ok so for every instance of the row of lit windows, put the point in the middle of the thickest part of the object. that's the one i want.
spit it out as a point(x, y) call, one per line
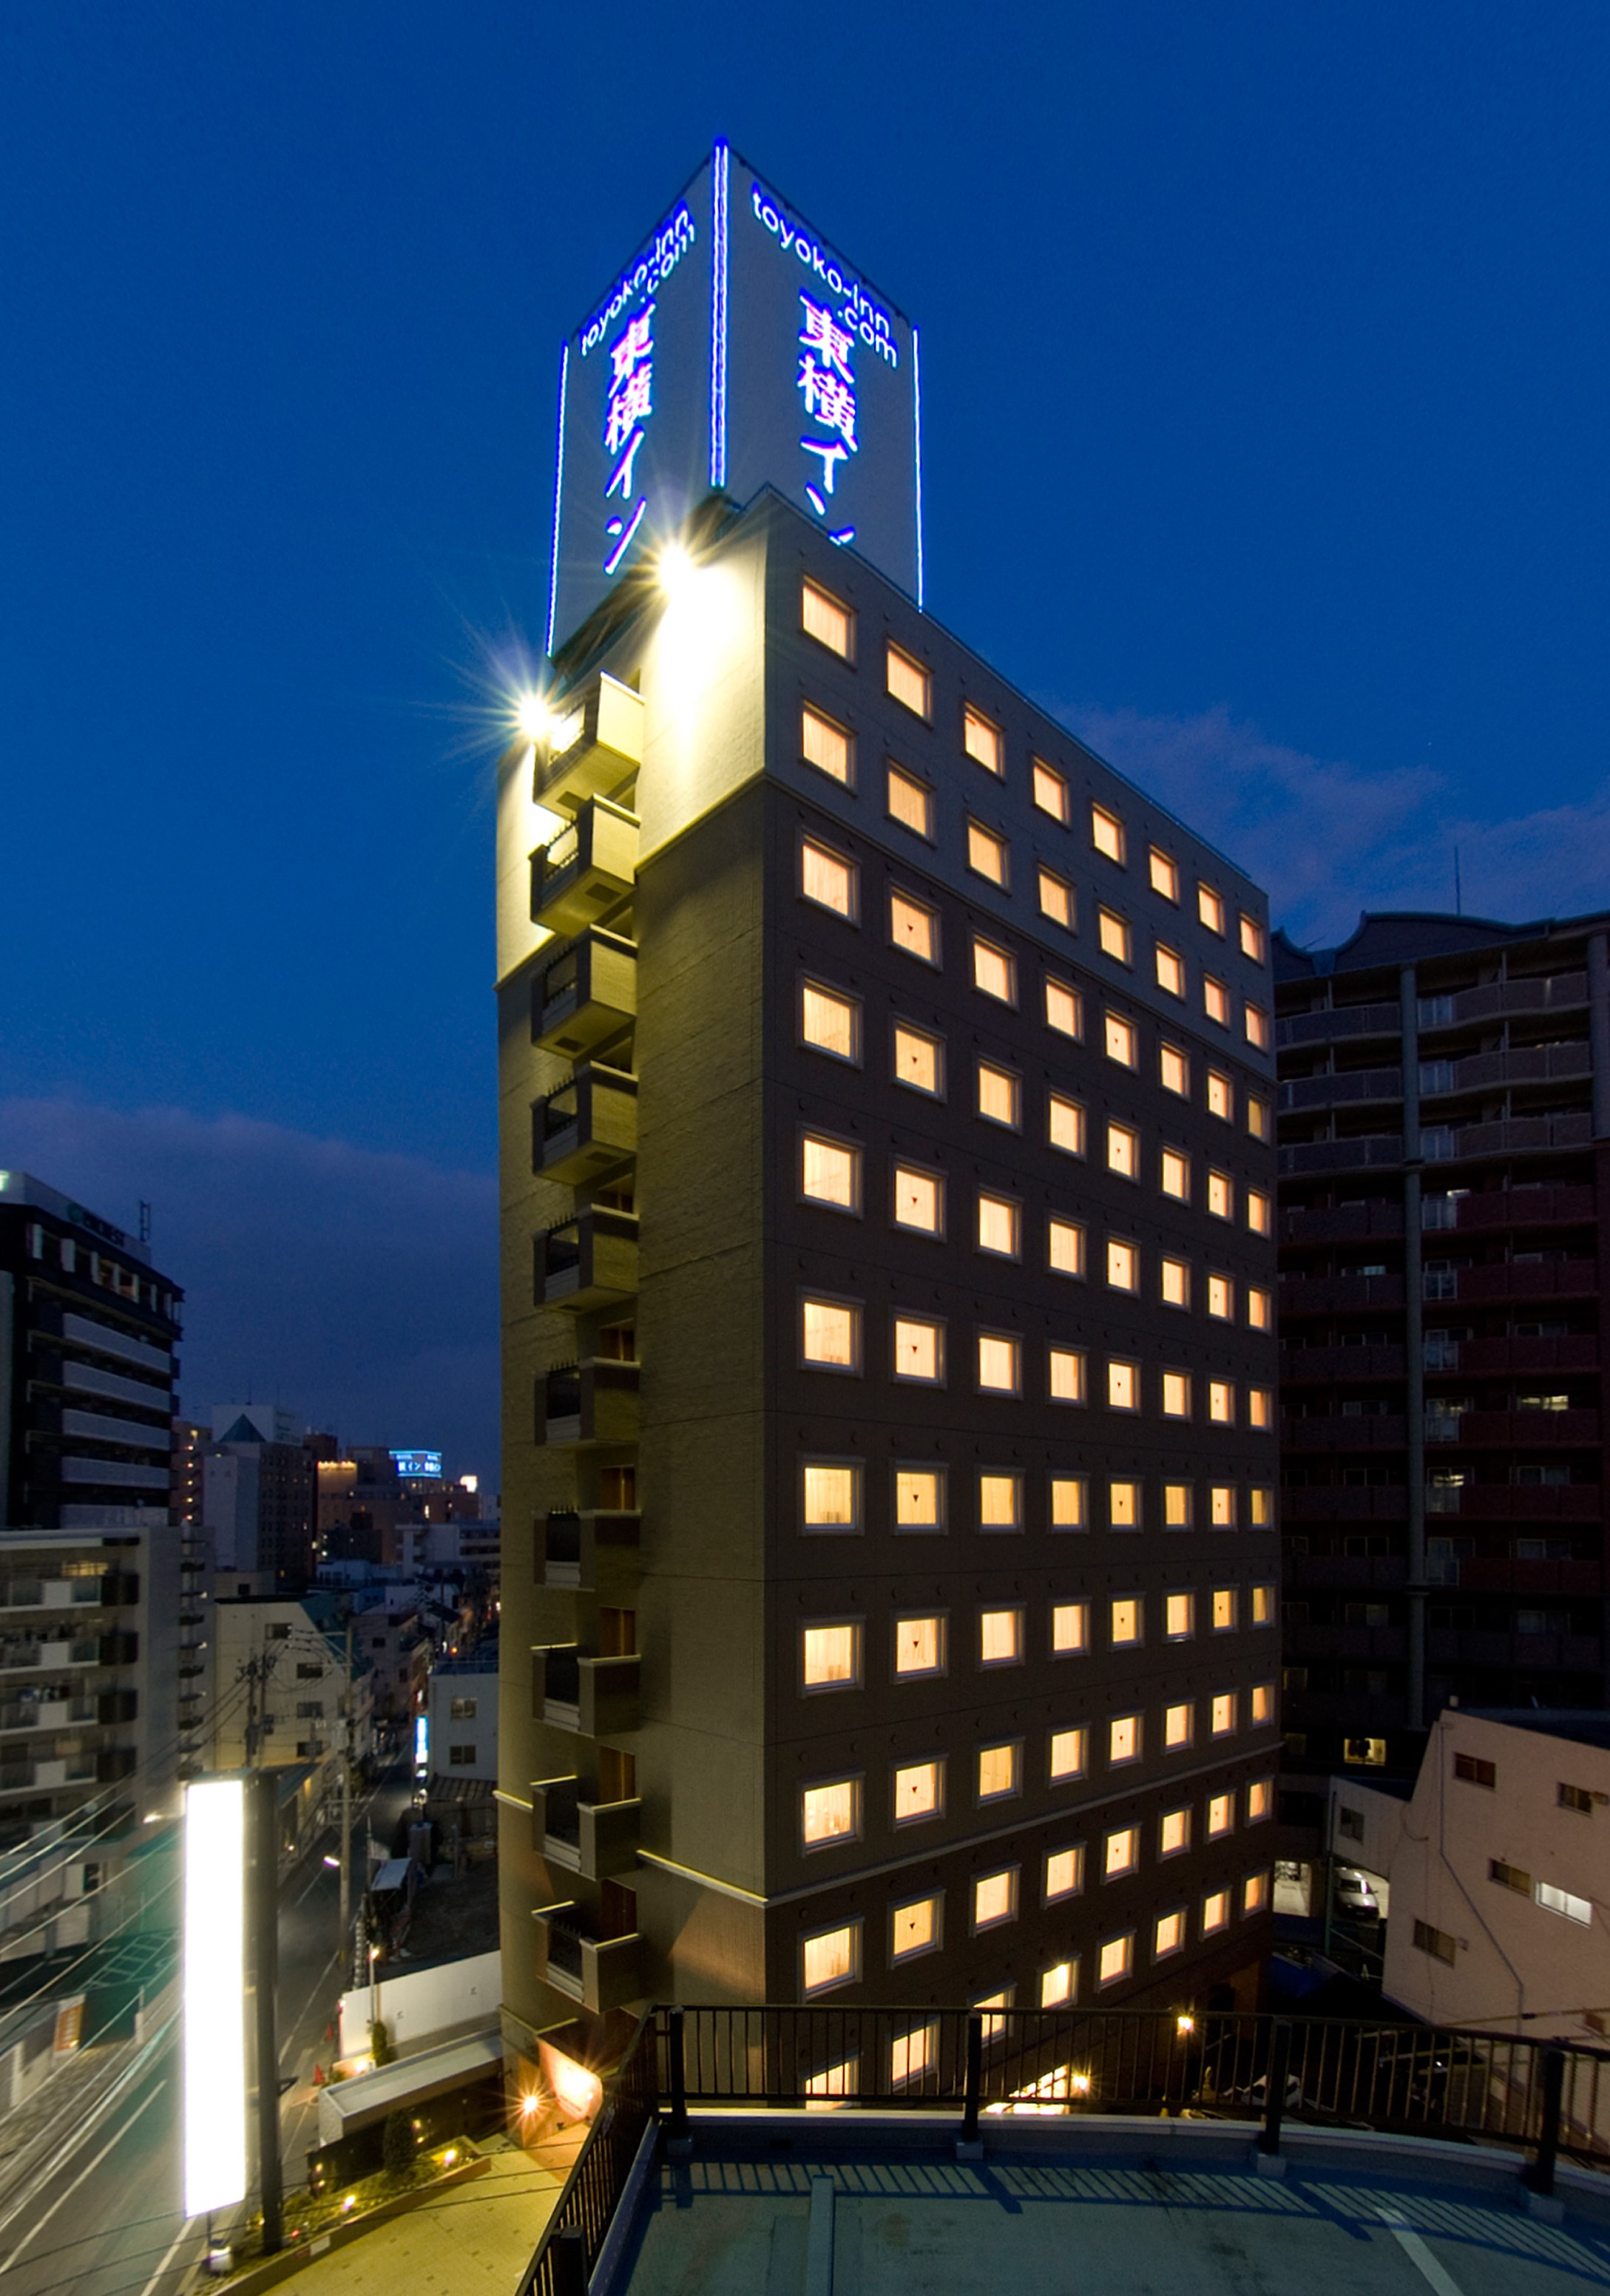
point(832, 1652)
point(831, 1813)
point(829, 747)
point(832, 880)
point(834, 1958)
point(831, 1494)
point(830, 1022)
point(831, 1174)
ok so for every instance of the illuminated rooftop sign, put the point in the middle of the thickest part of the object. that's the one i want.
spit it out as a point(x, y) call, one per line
point(735, 350)
point(417, 1462)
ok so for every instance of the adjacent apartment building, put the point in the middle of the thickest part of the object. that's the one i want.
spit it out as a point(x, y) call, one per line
point(889, 1269)
point(1445, 1153)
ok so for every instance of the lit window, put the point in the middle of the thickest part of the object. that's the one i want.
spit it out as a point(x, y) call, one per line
point(1064, 1874)
point(1123, 1265)
point(998, 1225)
point(1175, 1284)
point(1169, 1935)
point(1220, 1815)
point(1123, 1739)
point(1255, 1020)
point(999, 1094)
point(830, 1173)
point(822, 618)
point(908, 681)
point(1221, 1097)
point(1058, 1985)
point(1221, 1506)
point(919, 1791)
point(1070, 1754)
point(999, 1363)
point(1263, 1604)
point(913, 1928)
point(1070, 1629)
point(830, 1813)
point(1174, 1071)
point(1113, 931)
point(831, 1495)
point(1171, 971)
point(913, 928)
point(1176, 1507)
point(1124, 1505)
point(1176, 1394)
point(1215, 1912)
point(1066, 1252)
point(910, 802)
point(1257, 1211)
point(1000, 1771)
point(829, 1022)
point(1216, 1000)
point(1000, 1501)
point(995, 1898)
point(1124, 1151)
point(1177, 1175)
point(1552, 1900)
point(1254, 1893)
point(831, 1957)
point(1257, 1116)
point(831, 1334)
point(1064, 1012)
point(1179, 1724)
point(919, 1349)
point(994, 971)
point(1120, 1853)
point(919, 1646)
point(911, 2054)
point(1050, 792)
point(1260, 1506)
point(919, 1199)
point(994, 2026)
point(1224, 1714)
point(1173, 1833)
point(1069, 1502)
point(1260, 1703)
point(825, 746)
point(1251, 937)
point(830, 1657)
point(1125, 1621)
point(1115, 1959)
point(1121, 1041)
point(1123, 1386)
point(1221, 1296)
point(1221, 1402)
point(1180, 1617)
point(1220, 1196)
point(1210, 908)
point(1260, 1309)
point(918, 1058)
point(826, 878)
point(982, 741)
point(1065, 1125)
point(1106, 832)
point(919, 1498)
point(986, 853)
point(1067, 1374)
point(1056, 898)
point(1260, 1800)
point(1164, 874)
point(1260, 1406)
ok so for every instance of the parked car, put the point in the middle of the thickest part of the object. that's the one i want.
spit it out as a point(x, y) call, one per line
point(1355, 1894)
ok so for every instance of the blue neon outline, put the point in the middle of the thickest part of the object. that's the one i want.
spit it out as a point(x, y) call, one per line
point(718, 320)
point(564, 373)
point(625, 543)
point(916, 424)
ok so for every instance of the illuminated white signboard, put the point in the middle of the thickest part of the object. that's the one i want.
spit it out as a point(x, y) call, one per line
point(417, 1462)
point(215, 1994)
point(736, 350)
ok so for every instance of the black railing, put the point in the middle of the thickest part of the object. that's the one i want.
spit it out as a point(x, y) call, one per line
point(592, 2192)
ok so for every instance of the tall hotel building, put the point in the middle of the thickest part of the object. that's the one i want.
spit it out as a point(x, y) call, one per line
point(887, 1171)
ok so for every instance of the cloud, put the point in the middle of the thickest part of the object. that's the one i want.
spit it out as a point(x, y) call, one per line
point(1326, 838)
point(359, 1289)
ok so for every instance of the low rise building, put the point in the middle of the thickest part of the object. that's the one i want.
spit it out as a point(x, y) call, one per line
point(463, 1697)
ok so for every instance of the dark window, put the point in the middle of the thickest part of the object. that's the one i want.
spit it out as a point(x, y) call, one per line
point(1510, 1877)
point(1437, 1942)
point(1576, 1797)
point(1474, 1771)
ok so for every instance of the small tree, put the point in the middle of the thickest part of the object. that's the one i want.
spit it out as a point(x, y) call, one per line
point(399, 2146)
point(379, 2043)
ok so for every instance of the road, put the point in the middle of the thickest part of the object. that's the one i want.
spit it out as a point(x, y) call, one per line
point(101, 2217)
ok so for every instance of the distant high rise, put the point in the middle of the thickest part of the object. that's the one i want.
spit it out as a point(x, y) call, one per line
point(258, 1493)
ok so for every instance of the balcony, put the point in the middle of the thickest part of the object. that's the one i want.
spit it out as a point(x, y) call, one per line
point(1340, 1223)
point(596, 1696)
point(1333, 1295)
point(53, 1593)
point(1511, 1136)
point(590, 1261)
point(1517, 1430)
point(1346, 1020)
point(1345, 1502)
point(1383, 1150)
point(585, 995)
point(1343, 1086)
point(1490, 1208)
point(1518, 1279)
point(1304, 1366)
point(1573, 1352)
point(590, 1402)
point(596, 1840)
point(27, 1653)
point(587, 1128)
point(593, 1547)
point(590, 867)
point(1522, 1064)
point(1557, 992)
point(1476, 1646)
point(602, 1973)
point(1378, 1431)
point(54, 1710)
point(597, 745)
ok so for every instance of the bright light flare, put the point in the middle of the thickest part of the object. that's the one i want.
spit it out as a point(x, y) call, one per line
point(674, 569)
point(215, 1994)
point(533, 717)
point(1184, 2023)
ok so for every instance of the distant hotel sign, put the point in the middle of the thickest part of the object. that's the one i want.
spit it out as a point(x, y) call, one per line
point(735, 350)
point(418, 1463)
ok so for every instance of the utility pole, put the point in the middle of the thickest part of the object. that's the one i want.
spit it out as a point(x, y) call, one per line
point(346, 1945)
point(263, 1919)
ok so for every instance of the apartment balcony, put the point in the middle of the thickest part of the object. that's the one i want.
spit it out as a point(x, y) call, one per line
point(602, 1973)
point(592, 1547)
point(1515, 1430)
point(590, 867)
point(46, 1713)
point(1346, 1573)
point(1358, 1713)
point(596, 1696)
point(1345, 1502)
point(1476, 1646)
point(1510, 1135)
point(46, 1776)
point(1510, 1575)
point(587, 1128)
point(23, 1653)
point(1375, 1432)
point(1574, 1351)
point(1503, 1207)
point(586, 994)
point(1302, 1367)
point(596, 1840)
point(1369, 1151)
point(1494, 1000)
point(1347, 1021)
point(1341, 1088)
point(1513, 1279)
point(29, 1593)
point(1522, 1064)
point(1341, 1222)
point(1338, 1295)
point(589, 1403)
point(595, 747)
point(590, 1261)
point(1517, 1502)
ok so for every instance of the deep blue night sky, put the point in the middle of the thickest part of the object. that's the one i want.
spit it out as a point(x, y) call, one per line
point(1264, 362)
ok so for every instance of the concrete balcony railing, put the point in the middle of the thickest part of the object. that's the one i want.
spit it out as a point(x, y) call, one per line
point(602, 1973)
point(51, 1594)
point(1300, 1366)
point(596, 1696)
point(1508, 1135)
point(1558, 992)
point(586, 994)
point(1379, 1431)
point(588, 868)
point(588, 1128)
point(595, 747)
point(1341, 1089)
point(1371, 1151)
point(596, 1840)
point(587, 1403)
point(25, 1654)
point(589, 1261)
point(1347, 1021)
point(1340, 1223)
point(1490, 1208)
point(1525, 1064)
point(1333, 1295)
point(592, 1547)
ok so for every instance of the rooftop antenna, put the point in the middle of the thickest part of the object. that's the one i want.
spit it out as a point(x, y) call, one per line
point(1459, 892)
point(144, 1221)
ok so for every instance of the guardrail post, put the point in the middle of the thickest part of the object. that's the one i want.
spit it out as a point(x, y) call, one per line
point(1275, 2079)
point(969, 2144)
point(568, 2252)
point(676, 2053)
point(1540, 2177)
